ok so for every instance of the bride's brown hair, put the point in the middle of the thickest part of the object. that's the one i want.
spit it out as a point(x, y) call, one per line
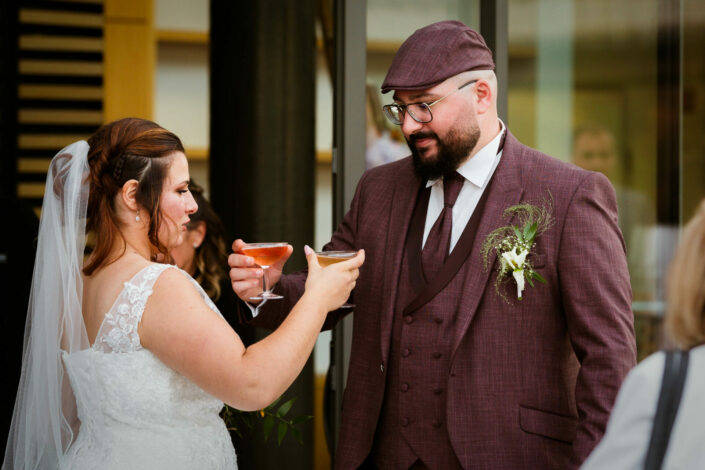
point(120, 151)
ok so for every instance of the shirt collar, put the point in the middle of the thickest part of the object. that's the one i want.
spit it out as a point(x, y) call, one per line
point(477, 169)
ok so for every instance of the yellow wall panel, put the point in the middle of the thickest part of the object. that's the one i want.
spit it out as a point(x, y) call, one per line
point(128, 9)
point(129, 59)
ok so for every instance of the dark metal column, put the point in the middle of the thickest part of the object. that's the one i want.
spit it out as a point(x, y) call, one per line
point(493, 27)
point(669, 112)
point(348, 157)
point(262, 157)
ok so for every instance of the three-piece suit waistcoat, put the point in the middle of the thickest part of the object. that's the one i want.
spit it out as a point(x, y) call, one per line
point(412, 424)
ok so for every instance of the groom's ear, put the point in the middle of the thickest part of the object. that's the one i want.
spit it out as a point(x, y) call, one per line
point(128, 195)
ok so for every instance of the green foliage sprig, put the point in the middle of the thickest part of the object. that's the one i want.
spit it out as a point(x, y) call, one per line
point(513, 243)
point(274, 414)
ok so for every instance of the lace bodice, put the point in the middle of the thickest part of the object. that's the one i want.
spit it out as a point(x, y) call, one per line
point(136, 412)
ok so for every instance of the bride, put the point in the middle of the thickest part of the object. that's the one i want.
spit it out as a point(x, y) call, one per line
point(127, 362)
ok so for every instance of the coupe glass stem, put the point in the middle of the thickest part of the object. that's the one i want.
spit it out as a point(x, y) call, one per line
point(264, 280)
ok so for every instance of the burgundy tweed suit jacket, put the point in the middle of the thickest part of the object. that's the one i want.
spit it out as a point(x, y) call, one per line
point(531, 383)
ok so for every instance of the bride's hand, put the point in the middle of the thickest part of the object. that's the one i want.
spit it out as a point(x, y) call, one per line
point(331, 286)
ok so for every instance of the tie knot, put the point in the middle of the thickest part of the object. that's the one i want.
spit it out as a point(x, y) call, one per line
point(452, 184)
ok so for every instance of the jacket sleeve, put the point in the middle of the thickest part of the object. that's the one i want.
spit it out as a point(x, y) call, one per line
point(596, 294)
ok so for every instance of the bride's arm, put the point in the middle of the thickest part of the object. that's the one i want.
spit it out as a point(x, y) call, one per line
point(180, 329)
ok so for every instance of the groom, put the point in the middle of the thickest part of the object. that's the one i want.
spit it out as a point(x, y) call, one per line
point(448, 371)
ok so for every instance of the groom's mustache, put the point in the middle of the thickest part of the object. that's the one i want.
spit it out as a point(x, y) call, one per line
point(421, 135)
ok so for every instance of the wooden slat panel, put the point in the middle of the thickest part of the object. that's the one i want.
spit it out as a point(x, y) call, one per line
point(38, 42)
point(324, 156)
point(30, 189)
point(182, 37)
point(197, 153)
point(60, 92)
point(383, 47)
point(96, 2)
point(47, 141)
point(61, 18)
point(33, 165)
point(61, 67)
point(61, 116)
point(121, 10)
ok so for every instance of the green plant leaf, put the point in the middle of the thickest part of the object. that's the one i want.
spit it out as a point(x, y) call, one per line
point(530, 232)
point(284, 409)
point(538, 277)
point(268, 426)
point(273, 405)
point(281, 432)
point(300, 419)
point(297, 435)
point(528, 279)
point(518, 233)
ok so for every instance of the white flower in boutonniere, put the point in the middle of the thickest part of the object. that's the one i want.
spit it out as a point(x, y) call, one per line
point(513, 245)
point(515, 262)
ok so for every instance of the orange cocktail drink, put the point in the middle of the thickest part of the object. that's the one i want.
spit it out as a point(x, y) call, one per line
point(326, 258)
point(265, 255)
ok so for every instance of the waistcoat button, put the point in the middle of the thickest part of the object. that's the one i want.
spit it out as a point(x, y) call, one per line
point(406, 352)
point(404, 422)
point(404, 387)
point(408, 319)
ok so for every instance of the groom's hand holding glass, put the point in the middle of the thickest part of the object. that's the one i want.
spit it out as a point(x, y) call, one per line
point(246, 274)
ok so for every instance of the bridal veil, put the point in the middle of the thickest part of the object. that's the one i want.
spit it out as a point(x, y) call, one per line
point(44, 420)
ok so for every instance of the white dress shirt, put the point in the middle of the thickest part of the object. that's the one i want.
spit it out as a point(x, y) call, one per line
point(477, 172)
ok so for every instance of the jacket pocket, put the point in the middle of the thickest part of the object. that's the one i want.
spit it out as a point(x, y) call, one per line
point(547, 424)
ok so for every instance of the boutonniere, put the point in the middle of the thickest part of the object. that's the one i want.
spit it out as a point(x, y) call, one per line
point(513, 245)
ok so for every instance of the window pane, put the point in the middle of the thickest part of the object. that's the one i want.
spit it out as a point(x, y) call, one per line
point(589, 83)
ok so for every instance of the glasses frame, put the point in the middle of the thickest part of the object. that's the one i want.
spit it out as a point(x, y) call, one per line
point(403, 108)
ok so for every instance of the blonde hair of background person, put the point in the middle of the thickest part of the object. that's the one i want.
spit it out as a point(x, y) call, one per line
point(626, 440)
point(685, 314)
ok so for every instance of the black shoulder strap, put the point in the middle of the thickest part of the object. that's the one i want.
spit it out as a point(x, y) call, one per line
point(674, 373)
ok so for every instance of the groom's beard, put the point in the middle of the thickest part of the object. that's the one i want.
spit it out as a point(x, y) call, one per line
point(450, 152)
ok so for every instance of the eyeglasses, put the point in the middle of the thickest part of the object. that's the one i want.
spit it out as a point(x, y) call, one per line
point(419, 112)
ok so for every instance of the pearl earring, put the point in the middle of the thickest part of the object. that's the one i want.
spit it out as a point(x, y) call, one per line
point(137, 217)
point(195, 246)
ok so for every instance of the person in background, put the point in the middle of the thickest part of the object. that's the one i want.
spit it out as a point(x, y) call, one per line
point(595, 149)
point(202, 254)
point(626, 441)
point(381, 147)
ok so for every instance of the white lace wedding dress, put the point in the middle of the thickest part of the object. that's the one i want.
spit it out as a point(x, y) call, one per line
point(135, 412)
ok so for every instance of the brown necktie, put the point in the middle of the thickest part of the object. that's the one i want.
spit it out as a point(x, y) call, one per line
point(435, 251)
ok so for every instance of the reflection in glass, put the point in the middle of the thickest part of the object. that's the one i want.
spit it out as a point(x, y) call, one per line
point(584, 87)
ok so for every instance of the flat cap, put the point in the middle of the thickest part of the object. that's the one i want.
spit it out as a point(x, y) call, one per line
point(434, 53)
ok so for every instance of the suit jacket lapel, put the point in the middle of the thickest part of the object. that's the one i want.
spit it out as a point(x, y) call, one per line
point(506, 190)
point(403, 200)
